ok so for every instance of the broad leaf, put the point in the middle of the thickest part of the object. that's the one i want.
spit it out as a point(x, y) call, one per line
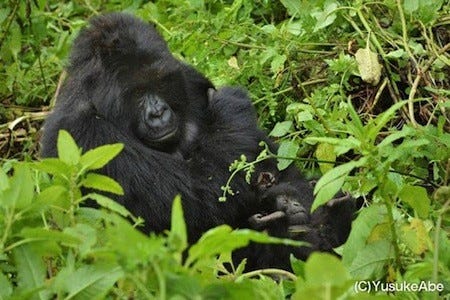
point(102, 183)
point(68, 150)
point(109, 204)
point(287, 149)
point(100, 156)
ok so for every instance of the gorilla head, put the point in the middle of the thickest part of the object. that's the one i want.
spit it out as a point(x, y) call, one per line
point(158, 98)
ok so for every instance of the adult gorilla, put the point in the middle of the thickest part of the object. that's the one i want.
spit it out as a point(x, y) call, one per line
point(180, 135)
point(124, 86)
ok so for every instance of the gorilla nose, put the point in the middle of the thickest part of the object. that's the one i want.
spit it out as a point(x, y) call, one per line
point(155, 108)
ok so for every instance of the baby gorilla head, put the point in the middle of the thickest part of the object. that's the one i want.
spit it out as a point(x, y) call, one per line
point(284, 207)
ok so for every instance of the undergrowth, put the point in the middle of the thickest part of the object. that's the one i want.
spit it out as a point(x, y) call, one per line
point(354, 91)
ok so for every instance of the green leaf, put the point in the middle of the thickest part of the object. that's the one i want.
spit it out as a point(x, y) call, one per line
point(178, 231)
point(417, 198)
point(381, 120)
point(43, 234)
point(281, 129)
point(102, 183)
point(31, 270)
point(325, 269)
point(54, 195)
point(223, 239)
point(326, 17)
point(52, 166)
point(110, 204)
point(362, 228)
point(277, 63)
point(6, 288)
point(100, 156)
point(92, 281)
point(287, 149)
point(293, 6)
point(325, 278)
point(21, 190)
point(370, 260)
point(68, 151)
point(415, 236)
point(330, 183)
point(410, 6)
point(325, 152)
point(4, 181)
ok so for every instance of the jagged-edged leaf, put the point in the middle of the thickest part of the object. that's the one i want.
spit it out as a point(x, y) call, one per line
point(417, 198)
point(31, 270)
point(330, 183)
point(102, 183)
point(370, 260)
point(92, 281)
point(110, 204)
point(100, 156)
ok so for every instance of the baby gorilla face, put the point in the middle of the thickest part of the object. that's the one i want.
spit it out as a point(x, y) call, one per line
point(296, 213)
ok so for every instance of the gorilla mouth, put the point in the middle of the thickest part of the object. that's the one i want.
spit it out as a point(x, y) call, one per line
point(165, 136)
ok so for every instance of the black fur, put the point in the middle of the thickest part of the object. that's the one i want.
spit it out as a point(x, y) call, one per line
point(118, 61)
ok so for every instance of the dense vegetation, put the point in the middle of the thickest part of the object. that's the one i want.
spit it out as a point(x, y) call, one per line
point(356, 91)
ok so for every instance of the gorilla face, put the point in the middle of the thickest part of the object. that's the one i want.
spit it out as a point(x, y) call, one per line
point(295, 211)
point(135, 83)
point(159, 124)
point(160, 118)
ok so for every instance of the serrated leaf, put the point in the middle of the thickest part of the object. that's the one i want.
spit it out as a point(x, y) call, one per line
point(381, 120)
point(287, 149)
point(281, 129)
point(362, 228)
point(223, 239)
point(368, 65)
point(410, 6)
point(330, 183)
point(31, 271)
point(325, 269)
point(417, 198)
point(6, 288)
point(100, 156)
point(415, 236)
point(68, 150)
point(49, 235)
point(326, 17)
point(370, 260)
point(110, 204)
point(52, 166)
point(102, 183)
point(53, 195)
point(92, 281)
point(277, 63)
point(293, 6)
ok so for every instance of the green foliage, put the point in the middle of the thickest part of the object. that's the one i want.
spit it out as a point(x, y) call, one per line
point(355, 91)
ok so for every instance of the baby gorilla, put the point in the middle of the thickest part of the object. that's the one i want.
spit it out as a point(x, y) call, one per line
point(285, 209)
